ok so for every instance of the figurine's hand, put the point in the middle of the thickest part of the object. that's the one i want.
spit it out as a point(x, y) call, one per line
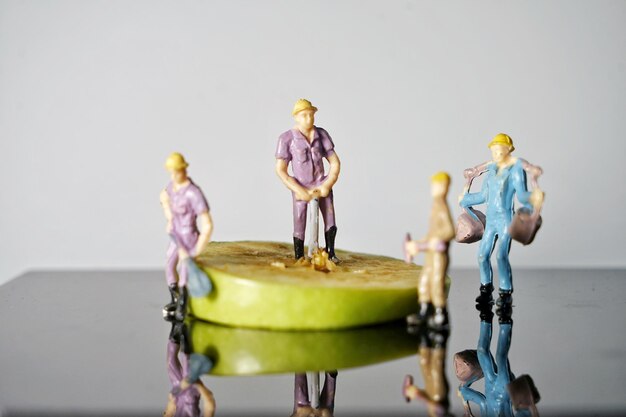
point(324, 191)
point(470, 173)
point(315, 193)
point(411, 247)
point(303, 195)
point(169, 227)
point(536, 198)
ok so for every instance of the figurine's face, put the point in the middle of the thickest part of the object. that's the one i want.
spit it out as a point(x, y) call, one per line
point(439, 189)
point(305, 119)
point(178, 175)
point(500, 152)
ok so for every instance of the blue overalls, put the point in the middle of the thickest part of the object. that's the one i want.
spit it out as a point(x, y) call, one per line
point(498, 190)
point(495, 402)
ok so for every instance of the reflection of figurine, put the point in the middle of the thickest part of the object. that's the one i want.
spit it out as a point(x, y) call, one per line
point(305, 146)
point(431, 289)
point(432, 354)
point(302, 406)
point(184, 373)
point(184, 205)
point(506, 178)
point(500, 383)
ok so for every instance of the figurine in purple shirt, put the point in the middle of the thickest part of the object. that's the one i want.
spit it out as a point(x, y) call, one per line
point(189, 221)
point(184, 374)
point(305, 147)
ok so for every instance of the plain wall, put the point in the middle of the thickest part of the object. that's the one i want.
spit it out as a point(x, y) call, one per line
point(95, 95)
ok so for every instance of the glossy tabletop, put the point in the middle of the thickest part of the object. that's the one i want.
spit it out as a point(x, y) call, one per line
point(93, 343)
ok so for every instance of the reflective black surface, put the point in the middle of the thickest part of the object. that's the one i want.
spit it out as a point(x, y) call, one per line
point(94, 343)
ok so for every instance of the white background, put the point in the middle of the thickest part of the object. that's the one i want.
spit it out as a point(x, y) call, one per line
point(95, 95)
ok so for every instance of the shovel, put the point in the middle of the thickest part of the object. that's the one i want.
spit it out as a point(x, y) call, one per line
point(314, 225)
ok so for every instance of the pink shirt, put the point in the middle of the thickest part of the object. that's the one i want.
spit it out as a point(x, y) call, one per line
point(307, 160)
point(186, 204)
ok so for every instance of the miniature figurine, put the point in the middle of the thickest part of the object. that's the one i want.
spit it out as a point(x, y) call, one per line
point(184, 374)
point(503, 392)
point(431, 287)
point(432, 356)
point(323, 406)
point(184, 206)
point(305, 146)
point(506, 178)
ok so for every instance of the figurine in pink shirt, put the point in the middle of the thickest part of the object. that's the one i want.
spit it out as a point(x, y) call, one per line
point(189, 222)
point(305, 146)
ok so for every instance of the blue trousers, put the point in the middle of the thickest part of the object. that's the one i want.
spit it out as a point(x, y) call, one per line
point(496, 237)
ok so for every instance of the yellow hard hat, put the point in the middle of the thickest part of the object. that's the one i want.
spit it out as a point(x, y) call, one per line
point(440, 177)
point(302, 104)
point(502, 139)
point(176, 161)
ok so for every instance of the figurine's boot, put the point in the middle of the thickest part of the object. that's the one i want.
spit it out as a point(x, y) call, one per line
point(439, 320)
point(505, 298)
point(298, 248)
point(176, 332)
point(181, 306)
point(330, 235)
point(170, 307)
point(419, 319)
point(486, 312)
point(485, 294)
point(504, 307)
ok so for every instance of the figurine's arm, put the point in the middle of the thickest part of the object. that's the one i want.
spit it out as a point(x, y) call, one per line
point(290, 182)
point(413, 247)
point(519, 183)
point(472, 395)
point(443, 227)
point(473, 199)
point(165, 203)
point(333, 174)
point(207, 398)
point(206, 228)
point(534, 198)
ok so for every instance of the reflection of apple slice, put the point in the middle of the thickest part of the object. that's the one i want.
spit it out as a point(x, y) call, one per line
point(237, 351)
point(258, 284)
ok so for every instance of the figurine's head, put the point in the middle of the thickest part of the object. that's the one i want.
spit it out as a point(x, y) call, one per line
point(304, 114)
point(501, 147)
point(439, 184)
point(177, 167)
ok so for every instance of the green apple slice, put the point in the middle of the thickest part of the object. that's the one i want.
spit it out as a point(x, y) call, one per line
point(238, 351)
point(258, 284)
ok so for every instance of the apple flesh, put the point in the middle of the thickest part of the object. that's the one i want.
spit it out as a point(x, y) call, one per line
point(238, 351)
point(259, 285)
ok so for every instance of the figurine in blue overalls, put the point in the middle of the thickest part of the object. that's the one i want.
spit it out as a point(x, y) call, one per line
point(504, 395)
point(506, 178)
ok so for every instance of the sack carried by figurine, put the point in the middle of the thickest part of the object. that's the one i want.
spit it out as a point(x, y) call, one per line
point(471, 223)
point(525, 225)
point(466, 366)
point(524, 394)
point(198, 283)
point(470, 226)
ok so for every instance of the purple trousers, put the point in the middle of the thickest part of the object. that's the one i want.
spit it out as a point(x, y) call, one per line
point(327, 396)
point(188, 400)
point(299, 214)
point(174, 277)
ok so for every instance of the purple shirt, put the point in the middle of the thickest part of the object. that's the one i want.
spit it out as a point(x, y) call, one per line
point(186, 204)
point(307, 160)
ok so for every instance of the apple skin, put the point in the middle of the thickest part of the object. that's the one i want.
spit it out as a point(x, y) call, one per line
point(249, 292)
point(238, 351)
